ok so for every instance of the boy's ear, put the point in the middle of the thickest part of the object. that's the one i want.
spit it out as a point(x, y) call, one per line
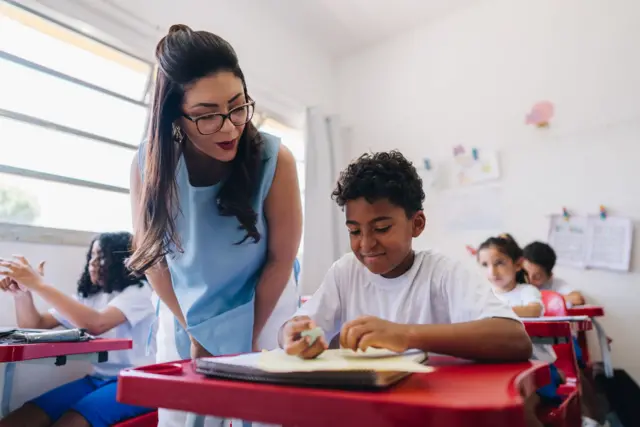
point(419, 221)
point(519, 263)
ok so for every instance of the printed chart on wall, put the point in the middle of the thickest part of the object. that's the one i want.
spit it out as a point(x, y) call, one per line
point(588, 241)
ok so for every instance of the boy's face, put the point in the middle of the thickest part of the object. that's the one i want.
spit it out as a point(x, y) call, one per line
point(536, 274)
point(381, 235)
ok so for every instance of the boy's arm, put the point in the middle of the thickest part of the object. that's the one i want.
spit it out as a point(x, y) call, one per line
point(485, 339)
point(323, 308)
point(574, 298)
point(481, 326)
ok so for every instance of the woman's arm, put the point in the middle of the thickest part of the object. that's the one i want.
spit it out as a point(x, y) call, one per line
point(158, 276)
point(283, 211)
point(29, 317)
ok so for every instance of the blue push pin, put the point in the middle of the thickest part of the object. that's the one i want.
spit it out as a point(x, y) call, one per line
point(474, 153)
point(427, 164)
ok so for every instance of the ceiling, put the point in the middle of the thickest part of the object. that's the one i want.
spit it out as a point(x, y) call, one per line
point(340, 27)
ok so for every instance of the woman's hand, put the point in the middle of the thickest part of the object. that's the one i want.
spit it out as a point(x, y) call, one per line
point(197, 350)
point(20, 276)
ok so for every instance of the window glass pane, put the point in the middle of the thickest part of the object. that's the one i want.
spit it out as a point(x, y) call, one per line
point(301, 176)
point(51, 204)
point(292, 138)
point(50, 98)
point(37, 40)
point(36, 148)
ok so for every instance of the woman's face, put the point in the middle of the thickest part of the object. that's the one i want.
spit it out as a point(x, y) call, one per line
point(221, 92)
point(97, 265)
point(499, 268)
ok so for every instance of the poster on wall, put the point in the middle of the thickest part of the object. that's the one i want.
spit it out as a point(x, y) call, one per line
point(589, 241)
point(474, 167)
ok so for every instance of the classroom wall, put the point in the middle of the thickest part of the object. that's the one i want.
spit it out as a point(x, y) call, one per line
point(471, 78)
point(284, 74)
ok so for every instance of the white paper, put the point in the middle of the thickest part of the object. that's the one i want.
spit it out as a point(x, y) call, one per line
point(474, 208)
point(592, 242)
point(610, 242)
point(555, 319)
point(569, 239)
point(469, 171)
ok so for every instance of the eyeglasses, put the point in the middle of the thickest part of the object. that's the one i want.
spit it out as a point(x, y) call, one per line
point(211, 123)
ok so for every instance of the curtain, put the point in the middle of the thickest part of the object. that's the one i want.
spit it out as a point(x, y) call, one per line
point(325, 236)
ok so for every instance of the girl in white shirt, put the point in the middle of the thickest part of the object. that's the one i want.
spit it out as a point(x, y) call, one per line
point(110, 303)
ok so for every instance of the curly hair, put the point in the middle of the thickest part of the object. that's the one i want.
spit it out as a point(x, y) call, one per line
point(542, 254)
point(183, 57)
point(116, 248)
point(382, 175)
point(506, 245)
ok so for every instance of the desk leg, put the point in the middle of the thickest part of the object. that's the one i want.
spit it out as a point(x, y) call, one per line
point(7, 388)
point(194, 420)
point(604, 349)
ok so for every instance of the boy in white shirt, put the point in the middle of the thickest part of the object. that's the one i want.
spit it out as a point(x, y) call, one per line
point(385, 295)
point(539, 260)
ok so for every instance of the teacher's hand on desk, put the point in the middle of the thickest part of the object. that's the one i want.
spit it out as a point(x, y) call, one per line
point(197, 350)
point(295, 343)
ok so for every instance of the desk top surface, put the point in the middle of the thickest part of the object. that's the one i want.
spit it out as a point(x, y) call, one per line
point(456, 393)
point(22, 352)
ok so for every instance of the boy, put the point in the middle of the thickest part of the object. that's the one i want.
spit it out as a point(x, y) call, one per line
point(539, 260)
point(385, 295)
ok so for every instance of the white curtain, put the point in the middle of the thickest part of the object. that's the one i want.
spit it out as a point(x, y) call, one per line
point(325, 236)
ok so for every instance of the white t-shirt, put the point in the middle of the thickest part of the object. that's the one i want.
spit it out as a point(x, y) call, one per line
point(523, 295)
point(135, 303)
point(435, 290)
point(557, 285)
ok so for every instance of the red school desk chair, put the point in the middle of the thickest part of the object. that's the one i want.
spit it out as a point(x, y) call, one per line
point(147, 420)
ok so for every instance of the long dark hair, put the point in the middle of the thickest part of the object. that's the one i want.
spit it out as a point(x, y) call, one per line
point(507, 245)
point(183, 57)
point(116, 248)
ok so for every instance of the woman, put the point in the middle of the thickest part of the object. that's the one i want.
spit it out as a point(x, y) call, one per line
point(216, 206)
point(111, 304)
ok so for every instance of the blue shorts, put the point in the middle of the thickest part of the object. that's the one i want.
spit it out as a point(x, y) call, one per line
point(549, 393)
point(92, 397)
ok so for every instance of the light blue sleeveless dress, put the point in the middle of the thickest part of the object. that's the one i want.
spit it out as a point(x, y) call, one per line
point(214, 279)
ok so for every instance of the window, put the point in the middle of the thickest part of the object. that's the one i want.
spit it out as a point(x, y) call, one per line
point(294, 140)
point(72, 113)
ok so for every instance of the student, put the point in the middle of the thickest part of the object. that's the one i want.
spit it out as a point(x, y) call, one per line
point(539, 260)
point(110, 303)
point(216, 208)
point(501, 259)
point(385, 294)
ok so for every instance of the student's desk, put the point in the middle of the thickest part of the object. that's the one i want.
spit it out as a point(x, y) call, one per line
point(548, 332)
point(56, 354)
point(456, 393)
point(594, 311)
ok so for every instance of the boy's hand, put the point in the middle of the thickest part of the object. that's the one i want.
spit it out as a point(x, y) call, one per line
point(369, 331)
point(296, 345)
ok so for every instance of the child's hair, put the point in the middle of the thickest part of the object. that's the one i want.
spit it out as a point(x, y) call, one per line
point(542, 254)
point(382, 175)
point(507, 245)
point(116, 248)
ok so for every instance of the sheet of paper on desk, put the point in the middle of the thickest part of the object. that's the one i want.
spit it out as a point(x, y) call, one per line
point(335, 360)
point(331, 360)
point(555, 319)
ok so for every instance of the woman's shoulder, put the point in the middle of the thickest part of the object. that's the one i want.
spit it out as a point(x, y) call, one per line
point(270, 146)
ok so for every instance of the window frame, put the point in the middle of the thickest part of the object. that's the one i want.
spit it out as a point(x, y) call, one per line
point(46, 235)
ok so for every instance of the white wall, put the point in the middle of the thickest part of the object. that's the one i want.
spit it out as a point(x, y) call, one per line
point(470, 79)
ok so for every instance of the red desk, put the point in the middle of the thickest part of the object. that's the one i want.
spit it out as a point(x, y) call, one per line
point(594, 311)
point(457, 393)
point(95, 350)
point(22, 352)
